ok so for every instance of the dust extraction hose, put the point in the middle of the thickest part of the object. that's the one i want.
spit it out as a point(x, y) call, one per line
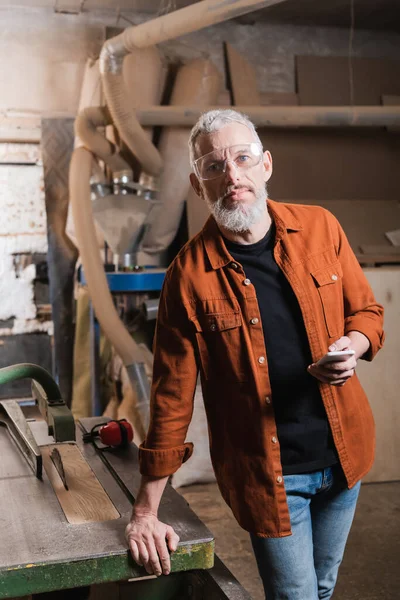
point(86, 128)
point(114, 329)
point(31, 371)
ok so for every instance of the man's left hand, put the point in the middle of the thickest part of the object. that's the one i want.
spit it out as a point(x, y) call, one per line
point(336, 373)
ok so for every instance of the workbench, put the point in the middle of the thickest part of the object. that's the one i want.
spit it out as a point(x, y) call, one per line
point(41, 551)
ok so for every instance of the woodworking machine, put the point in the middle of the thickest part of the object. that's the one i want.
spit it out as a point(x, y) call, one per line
point(64, 506)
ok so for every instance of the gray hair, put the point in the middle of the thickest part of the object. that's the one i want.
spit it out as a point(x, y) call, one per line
point(214, 120)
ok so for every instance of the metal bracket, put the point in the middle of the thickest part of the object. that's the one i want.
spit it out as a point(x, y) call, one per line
point(14, 420)
point(60, 421)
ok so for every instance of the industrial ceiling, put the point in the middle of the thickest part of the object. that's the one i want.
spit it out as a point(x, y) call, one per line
point(369, 14)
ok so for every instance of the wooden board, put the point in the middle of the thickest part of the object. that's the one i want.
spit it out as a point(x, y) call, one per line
point(379, 378)
point(243, 79)
point(266, 99)
point(364, 222)
point(57, 145)
point(382, 249)
point(85, 501)
point(324, 80)
point(333, 164)
point(19, 127)
point(196, 211)
point(25, 154)
point(279, 99)
point(391, 101)
point(393, 237)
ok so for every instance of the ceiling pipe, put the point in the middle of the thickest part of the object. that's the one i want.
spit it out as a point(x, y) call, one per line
point(180, 22)
point(279, 116)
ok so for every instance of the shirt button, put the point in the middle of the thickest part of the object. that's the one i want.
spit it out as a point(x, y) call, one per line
point(247, 282)
point(213, 327)
point(234, 265)
point(261, 359)
point(267, 399)
point(254, 321)
point(273, 439)
point(279, 479)
point(334, 277)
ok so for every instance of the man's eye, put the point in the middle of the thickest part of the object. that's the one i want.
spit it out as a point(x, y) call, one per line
point(242, 158)
point(212, 167)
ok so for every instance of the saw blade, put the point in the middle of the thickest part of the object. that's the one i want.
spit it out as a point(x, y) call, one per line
point(57, 461)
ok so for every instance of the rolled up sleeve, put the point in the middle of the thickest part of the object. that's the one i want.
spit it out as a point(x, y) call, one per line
point(160, 463)
point(173, 386)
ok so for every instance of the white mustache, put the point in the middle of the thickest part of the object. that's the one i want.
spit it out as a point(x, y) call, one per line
point(236, 187)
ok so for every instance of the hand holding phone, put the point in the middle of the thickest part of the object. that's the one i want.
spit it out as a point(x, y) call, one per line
point(336, 356)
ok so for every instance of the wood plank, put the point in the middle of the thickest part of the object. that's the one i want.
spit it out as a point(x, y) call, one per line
point(243, 78)
point(19, 127)
point(379, 378)
point(388, 100)
point(363, 221)
point(57, 146)
point(85, 501)
point(279, 99)
point(197, 212)
point(381, 249)
point(393, 237)
point(332, 164)
point(266, 99)
point(26, 154)
point(373, 260)
point(324, 80)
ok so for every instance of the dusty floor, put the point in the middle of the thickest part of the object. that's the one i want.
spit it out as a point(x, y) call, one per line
point(371, 565)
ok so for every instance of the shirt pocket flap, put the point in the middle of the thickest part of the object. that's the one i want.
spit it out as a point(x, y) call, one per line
point(329, 274)
point(217, 321)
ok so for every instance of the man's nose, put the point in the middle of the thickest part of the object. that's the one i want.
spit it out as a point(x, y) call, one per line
point(231, 171)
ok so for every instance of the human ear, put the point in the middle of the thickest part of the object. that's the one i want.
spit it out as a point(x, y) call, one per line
point(195, 184)
point(267, 162)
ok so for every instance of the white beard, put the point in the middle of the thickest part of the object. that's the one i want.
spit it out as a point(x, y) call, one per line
point(239, 217)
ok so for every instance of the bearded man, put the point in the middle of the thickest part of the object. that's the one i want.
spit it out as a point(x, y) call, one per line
point(253, 302)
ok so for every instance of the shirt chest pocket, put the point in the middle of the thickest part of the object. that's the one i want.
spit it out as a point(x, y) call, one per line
point(221, 345)
point(328, 281)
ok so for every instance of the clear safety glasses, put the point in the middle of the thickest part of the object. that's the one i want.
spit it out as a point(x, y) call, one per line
point(213, 164)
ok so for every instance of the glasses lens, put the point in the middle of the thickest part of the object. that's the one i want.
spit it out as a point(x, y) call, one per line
point(213, 164)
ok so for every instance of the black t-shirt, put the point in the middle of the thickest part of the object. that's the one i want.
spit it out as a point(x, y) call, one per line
point(303, 430)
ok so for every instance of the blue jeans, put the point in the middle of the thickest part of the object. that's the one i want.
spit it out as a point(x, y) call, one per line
point(304, 566)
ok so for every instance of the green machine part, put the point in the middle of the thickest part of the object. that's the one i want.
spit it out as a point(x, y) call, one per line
point(59, 418)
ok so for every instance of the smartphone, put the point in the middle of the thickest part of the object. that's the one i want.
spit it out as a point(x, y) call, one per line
point(336, 356)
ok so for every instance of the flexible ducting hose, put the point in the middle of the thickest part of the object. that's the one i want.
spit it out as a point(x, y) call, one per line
point(112, 326)
point(180, 22)
point(30, 371)
point(127, 124)
point(197, 82)
point(86, 128)
point(79, 187)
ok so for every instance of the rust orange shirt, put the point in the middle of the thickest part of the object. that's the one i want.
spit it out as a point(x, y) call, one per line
point(209, 322)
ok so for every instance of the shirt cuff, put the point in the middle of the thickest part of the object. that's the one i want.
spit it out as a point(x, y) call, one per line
point(376, 337)
point(164, 462)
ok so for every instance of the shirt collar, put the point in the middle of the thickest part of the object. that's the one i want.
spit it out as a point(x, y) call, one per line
point(214, 244)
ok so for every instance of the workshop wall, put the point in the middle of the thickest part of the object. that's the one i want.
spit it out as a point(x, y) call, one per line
point(46, 52)
point(43, 58)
